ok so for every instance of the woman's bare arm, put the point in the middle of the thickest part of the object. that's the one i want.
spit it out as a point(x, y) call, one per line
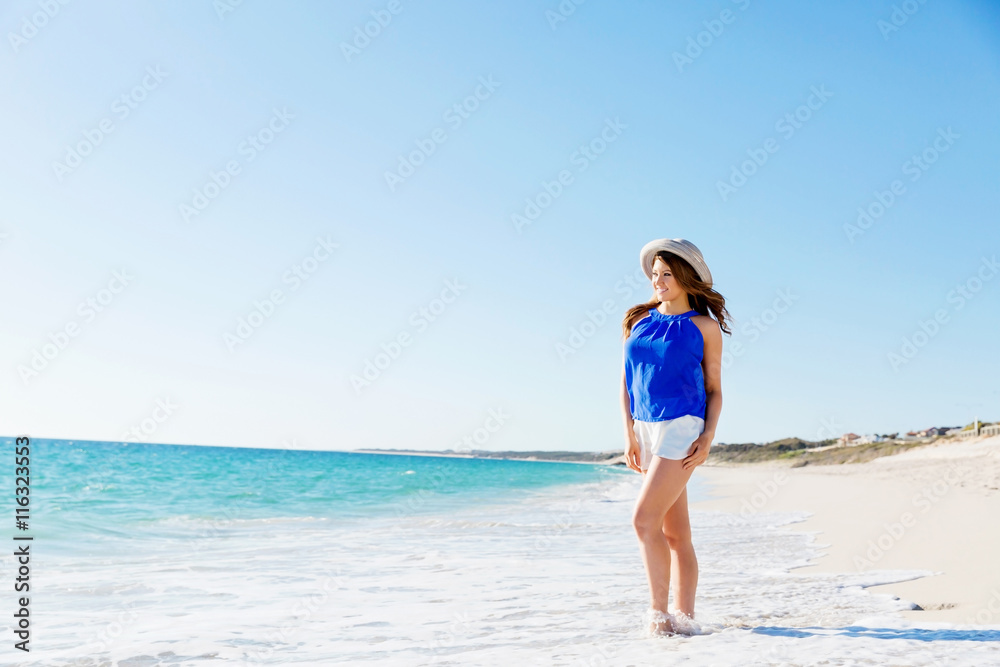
point(711, 366)
point(633, 454)
point(626, 402)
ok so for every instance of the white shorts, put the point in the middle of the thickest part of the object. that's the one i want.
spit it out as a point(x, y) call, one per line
point(670, 439)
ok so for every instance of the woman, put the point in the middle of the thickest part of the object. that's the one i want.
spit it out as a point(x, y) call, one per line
point(671, 399)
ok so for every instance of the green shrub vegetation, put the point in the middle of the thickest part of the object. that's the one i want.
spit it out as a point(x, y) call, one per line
point(804, 452)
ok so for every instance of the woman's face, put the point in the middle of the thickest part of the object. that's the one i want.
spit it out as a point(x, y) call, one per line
point(664, 283)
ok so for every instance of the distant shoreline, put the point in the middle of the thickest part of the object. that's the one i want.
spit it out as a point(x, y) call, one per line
point(598, 458)
point(793, 452)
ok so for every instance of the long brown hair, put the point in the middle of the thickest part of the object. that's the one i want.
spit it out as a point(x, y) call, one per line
point(701, 297)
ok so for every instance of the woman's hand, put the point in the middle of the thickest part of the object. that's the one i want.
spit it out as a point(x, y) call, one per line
point(699, 454)
point(633, 453)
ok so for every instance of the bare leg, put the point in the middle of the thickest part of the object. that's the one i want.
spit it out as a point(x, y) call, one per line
point(663, 484)
point(683, 562)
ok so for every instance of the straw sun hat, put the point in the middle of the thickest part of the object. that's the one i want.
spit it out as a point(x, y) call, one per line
point(679, 247)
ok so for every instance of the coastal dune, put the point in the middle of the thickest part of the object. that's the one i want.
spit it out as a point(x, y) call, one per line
point(930, 513)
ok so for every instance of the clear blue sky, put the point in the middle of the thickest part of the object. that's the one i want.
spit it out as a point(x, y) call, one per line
point(329, 123)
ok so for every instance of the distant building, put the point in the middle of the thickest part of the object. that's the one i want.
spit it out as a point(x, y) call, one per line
point(937, 430)
point(847, 439)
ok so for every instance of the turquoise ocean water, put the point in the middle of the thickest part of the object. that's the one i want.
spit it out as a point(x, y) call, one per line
point(93, 491)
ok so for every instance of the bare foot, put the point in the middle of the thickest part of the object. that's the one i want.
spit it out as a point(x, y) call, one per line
point(684, 624)
point(660, 622)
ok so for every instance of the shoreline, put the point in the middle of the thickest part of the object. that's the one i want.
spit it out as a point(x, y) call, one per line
point(928, 509)
point(496, 457)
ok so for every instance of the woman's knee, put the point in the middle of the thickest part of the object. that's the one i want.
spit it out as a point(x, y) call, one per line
point(645, 523)
point(677, 541)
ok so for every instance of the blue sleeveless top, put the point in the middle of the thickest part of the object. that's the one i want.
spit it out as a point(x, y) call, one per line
point(663, 367)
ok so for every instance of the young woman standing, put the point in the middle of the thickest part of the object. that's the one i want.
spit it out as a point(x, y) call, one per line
point(671, 399)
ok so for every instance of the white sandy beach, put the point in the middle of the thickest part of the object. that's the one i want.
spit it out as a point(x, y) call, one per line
point(934, 508)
